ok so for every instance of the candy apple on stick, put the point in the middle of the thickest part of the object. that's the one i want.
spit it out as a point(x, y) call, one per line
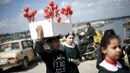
point(29, 15)
point(52, 11)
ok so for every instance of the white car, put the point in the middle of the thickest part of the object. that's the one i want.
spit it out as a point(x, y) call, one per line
point(15, 53)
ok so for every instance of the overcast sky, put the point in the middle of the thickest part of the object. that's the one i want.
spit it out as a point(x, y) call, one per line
point(12, 20)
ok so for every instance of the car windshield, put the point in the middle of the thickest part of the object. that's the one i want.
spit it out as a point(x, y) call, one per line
point(9, 47)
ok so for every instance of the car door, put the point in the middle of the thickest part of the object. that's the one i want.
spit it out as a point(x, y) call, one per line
point(26, 50)
point(31, 50)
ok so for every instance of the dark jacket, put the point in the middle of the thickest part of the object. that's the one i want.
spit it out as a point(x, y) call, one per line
point(56, 61)
point(72, 53)
point(90, 33)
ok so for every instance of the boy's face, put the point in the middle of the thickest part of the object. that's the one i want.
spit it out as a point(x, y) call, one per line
point(55, 44)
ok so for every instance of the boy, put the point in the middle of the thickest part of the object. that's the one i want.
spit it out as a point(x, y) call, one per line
point(55, 60)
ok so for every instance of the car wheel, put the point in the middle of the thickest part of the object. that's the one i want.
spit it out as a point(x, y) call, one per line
point(24, 63)
point(91, 56)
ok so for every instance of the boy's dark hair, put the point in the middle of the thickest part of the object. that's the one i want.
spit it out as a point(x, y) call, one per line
point(50, 39)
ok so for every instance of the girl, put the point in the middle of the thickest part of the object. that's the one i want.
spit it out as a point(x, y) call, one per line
point(111, 55)
point(72, 53)
point(99, 57)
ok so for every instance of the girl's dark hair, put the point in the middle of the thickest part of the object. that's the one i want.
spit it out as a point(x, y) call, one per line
point(109, 32)
point(106, 40)
point(108, 35)
point(88, 24)
point(70, 34)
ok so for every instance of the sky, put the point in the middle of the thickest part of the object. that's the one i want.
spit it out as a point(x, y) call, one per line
point(12, 20)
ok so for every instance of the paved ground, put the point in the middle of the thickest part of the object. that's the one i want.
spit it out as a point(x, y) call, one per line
point(88, 67)
point(84, 67)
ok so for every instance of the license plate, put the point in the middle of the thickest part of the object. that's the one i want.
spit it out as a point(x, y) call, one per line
point(3, 61)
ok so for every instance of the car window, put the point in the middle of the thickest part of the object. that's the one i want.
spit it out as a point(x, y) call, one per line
point(25, 44)
point(9, 47)
point(15, 45)
point(30, 43)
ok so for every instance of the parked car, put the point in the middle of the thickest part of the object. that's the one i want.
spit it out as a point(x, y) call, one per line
point(16, 53)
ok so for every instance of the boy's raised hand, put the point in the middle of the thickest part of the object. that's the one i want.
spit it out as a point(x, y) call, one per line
point(39, 32)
